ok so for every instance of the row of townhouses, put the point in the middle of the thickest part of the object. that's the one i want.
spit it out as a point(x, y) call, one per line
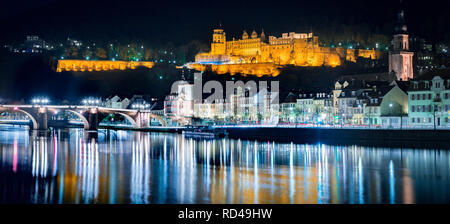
point(422, 102)
point(239, 107)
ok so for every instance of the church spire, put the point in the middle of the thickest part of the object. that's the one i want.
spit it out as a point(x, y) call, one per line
point(400, 58)
point(400, 27)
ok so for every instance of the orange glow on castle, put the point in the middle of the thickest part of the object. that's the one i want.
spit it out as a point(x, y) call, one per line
point(258, 55)
point(86, 65)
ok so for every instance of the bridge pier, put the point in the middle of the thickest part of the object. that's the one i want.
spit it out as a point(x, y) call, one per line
point(92, 118)
point(42, 119)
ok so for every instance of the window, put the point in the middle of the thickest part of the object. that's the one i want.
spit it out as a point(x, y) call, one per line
point(436, 108)
point(429, 96)
point(413, 96)
point(429, 120)
point(413, 108)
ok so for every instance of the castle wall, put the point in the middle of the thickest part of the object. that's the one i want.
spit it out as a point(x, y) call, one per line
point(257, 69)
point(85, 65)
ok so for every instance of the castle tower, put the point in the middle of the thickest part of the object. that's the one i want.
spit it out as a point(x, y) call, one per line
point(254, 35)
point(218, 45)
point(263, 35)
point(400, 58)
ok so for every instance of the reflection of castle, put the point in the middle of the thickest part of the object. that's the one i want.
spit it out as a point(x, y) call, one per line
point(299, 49)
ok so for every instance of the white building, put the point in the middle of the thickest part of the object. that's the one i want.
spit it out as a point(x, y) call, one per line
point(429, 102)
point(185, 101)
point(116, 103)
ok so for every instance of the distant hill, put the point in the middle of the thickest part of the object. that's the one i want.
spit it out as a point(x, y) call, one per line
point(24, 77)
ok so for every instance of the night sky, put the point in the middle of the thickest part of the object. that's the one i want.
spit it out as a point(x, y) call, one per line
point(179, 22)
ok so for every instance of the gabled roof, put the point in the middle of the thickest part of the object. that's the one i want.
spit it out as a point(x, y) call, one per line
point(403, 85)
point(290, 98)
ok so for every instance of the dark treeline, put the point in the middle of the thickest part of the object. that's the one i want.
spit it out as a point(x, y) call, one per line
point(24, 77)
point(163, 24)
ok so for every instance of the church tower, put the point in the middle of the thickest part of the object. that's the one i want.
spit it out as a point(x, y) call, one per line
point(400, 58)
point(218, 45)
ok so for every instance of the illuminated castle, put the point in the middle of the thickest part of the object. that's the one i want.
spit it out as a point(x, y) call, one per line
point(259, 55)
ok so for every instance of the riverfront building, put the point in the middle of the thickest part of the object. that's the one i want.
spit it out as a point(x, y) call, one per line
point(240, 107)
point(429, 101)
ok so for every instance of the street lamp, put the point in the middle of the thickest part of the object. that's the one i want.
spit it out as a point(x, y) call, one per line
point(91, 101)
point(140, 106)
point(360, 111)
point(40, 101)
point(390, 115)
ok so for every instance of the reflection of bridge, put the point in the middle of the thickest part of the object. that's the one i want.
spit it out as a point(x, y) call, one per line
point(91, 116)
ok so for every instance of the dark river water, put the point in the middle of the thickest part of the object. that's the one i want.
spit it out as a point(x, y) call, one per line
point(68, 166)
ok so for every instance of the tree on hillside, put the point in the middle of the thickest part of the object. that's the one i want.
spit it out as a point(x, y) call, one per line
point(100, 53)
point(87, 54)
point(149, 54)
point(71, 52)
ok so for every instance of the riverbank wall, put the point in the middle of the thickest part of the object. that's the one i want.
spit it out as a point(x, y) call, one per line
point(338, 136)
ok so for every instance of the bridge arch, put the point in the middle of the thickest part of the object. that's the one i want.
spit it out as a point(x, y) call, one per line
point(162, 121)
point(33, 119)
point(34, 122)
point(79, 115)
point(128, 117)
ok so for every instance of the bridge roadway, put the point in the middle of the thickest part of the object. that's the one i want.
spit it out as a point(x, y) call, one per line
point(91, 116)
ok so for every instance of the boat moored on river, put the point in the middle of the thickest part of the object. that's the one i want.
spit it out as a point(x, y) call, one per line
point(204, 132)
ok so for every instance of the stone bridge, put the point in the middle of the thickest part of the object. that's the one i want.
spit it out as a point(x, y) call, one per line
point(91, 116)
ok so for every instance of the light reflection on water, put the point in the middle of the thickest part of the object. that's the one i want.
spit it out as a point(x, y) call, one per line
point(138, 167)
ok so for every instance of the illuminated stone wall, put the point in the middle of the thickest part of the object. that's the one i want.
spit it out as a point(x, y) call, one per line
point(258, 69)
point(90, 66)
point(267, 56)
